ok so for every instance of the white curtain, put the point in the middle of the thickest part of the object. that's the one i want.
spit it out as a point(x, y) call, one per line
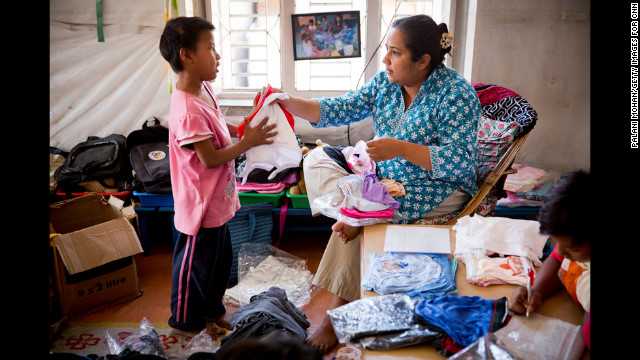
point(101, 88)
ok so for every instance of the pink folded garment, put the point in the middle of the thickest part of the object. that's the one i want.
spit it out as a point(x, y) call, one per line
point(262, 188)
point(357, 214)
point(526, 173)
point(269, 188)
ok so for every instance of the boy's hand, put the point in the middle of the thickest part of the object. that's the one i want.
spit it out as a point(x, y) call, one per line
point(233, 130)
point(518, 303)
point(260, 134)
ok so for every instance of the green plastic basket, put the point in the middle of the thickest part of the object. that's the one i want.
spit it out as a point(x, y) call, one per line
point(298, 201)
point(256, 198)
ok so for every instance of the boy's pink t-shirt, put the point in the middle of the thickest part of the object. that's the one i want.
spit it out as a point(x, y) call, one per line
point(202, 197)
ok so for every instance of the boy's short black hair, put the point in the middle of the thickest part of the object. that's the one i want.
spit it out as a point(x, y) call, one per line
point(566, 209)
point(275, 346)
point(178, 33)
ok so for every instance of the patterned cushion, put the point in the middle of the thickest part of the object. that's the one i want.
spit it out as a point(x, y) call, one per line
point(494, 139)
point(503, 104)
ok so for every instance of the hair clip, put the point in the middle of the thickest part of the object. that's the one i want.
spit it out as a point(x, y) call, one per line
point(447, 40)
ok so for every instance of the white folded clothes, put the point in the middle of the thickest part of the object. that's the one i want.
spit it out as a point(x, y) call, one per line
point(499, 236)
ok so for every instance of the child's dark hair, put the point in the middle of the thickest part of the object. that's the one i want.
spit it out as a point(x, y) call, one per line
point(269, 348)
point(566, 209)
point(422, 36)
point(178, 33)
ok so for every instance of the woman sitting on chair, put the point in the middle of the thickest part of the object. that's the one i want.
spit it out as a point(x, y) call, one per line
point(425, 117)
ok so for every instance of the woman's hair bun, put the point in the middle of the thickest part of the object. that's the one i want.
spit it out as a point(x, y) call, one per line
point(444, 30)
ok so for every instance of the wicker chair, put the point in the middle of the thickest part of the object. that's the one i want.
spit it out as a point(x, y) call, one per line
point(502, 168)
point(502, 105)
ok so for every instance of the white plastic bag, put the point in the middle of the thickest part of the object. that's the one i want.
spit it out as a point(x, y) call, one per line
point(261, 266)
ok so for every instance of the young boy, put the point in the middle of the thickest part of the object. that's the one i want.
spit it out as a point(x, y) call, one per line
point(201, 153)
point(565, 217)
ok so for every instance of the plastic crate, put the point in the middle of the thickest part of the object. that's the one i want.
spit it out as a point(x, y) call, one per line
point(65, 195)
point(256, 198)
point(147, 199)
point(298, 201)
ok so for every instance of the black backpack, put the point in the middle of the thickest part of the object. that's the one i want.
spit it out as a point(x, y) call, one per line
point(95, 159)
point(148, 150)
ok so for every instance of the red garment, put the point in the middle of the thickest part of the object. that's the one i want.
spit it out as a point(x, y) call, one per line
point(447, 346)
point(257, 104)
point(492, 93)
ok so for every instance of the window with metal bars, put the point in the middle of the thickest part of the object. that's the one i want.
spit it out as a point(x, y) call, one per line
point(251, 36)
point(249, 41)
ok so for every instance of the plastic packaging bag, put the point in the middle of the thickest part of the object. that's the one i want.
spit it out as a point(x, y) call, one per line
point(541, 337)
point(200, 343)
point(372, 316)
point(351, 186)
point(416, 334)
point(535, 337)
point(146, 342)
point(261, 266)
point(485, 348)
point(329, 205)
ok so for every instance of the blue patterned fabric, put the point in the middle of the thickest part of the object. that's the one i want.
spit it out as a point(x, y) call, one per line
point(443, 116)
point(415, 275)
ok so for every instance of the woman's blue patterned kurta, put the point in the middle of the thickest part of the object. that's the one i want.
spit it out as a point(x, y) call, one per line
point(443, 116)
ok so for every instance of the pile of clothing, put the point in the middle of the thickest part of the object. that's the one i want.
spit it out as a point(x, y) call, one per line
point(258, 179)
point(365, 196)
point(414, 275)
point(269, 313)
point(527, 187)
point(497, 250)
point(269, 168)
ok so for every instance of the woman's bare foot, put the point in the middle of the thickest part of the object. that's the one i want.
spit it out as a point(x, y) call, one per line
point(346, 232)
point(324, 339)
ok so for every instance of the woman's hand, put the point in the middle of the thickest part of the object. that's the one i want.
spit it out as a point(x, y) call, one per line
point(388, 148)
point(519, 303)
point(308, 109)
point(280, 101)
point(260, 134)
point(384, 148)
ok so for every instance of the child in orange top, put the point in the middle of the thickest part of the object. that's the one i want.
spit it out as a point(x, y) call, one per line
point(565, 217)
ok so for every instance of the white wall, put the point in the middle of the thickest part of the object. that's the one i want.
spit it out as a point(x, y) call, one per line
point(541, 50)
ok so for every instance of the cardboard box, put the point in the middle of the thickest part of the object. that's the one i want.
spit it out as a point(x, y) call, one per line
point(94, 263)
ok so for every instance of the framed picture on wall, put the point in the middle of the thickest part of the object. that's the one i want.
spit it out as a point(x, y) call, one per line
point(327, 35)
